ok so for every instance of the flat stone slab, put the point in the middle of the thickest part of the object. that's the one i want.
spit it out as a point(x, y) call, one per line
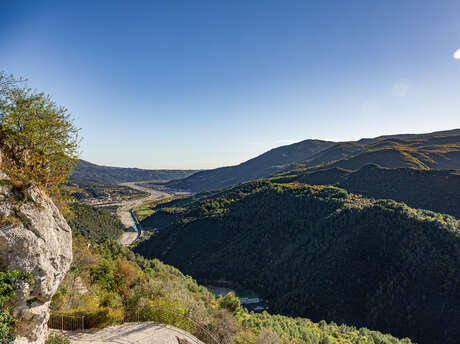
point(129, 333)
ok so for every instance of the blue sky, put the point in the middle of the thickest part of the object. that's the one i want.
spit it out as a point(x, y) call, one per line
point(202, 84)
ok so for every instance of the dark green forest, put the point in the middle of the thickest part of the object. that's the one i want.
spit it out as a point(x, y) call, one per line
point(435, 190)
point(97, 224)
point(325, 253)
point(120, 284)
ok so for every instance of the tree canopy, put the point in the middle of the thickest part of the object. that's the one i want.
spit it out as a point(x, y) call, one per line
point(322, 252)
point(38, 137)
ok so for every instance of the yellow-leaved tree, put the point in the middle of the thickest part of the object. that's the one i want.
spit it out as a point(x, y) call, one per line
point(38, 139)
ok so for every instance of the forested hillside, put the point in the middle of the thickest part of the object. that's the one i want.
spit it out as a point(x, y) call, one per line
point(321, 252)
point(109, 283)
point(436, 190)
point(86, 172)
point(98, 224)
point(263, 165)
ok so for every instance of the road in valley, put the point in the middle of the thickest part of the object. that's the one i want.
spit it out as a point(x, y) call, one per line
point(132, 231)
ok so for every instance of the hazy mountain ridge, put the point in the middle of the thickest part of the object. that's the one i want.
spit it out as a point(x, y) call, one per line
point(437, 150)
point(86, 172)
point(261, 166)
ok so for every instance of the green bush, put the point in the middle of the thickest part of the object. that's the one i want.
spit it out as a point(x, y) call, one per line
point(5, 321)
point(57, 339)
point(98, 318)
point(7, 292)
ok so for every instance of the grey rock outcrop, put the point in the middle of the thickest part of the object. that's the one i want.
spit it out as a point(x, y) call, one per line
point(35, 239)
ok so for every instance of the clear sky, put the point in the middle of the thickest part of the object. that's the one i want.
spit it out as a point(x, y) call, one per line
point(201, 84)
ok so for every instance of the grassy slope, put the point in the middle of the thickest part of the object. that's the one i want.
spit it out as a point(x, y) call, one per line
point(324, 253)
point(424, 152)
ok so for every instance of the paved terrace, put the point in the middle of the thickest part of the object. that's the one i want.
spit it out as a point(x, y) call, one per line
point(130, 333)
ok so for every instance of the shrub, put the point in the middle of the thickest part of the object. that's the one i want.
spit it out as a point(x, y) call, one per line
point(39, 140)
point(267, 336)
point(7, 292)
point(98, 318)
point(57, 339)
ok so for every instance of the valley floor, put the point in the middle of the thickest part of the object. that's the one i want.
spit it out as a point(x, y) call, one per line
point(124, 212)
point(130, 333)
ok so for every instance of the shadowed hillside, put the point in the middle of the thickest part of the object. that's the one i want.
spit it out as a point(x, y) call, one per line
point(323, 252)
point(435, 190)
point(108, 284)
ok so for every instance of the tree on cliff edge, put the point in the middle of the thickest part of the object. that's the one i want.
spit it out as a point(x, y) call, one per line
point(38, 138)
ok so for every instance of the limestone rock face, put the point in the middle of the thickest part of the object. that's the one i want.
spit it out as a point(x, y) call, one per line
point(36, 239)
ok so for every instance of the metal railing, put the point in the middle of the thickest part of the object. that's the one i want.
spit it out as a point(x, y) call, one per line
point(137, 315)
point(66, 322)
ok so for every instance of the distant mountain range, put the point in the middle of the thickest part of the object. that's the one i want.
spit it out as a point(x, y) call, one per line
point(264, 165)
point(437, 150)
point(86, 172)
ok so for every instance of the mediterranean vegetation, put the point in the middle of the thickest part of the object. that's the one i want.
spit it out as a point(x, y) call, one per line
point(8, 286)
point(39, 141)
point(322, 252)
point(315, 252)
point(39, 146)
point(97, 224)
point(109, 284)
point(430, 189)
point(57, 339)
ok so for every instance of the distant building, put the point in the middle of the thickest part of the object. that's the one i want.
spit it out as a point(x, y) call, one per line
point(247, 300)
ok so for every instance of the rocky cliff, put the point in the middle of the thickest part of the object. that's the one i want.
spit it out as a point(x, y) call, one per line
point(35, 239)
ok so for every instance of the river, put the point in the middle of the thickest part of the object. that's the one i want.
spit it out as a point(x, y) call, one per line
point(132, 232)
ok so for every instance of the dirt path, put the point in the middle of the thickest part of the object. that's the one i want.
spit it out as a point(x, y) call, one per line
point(124, 211)
point(130, 333)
